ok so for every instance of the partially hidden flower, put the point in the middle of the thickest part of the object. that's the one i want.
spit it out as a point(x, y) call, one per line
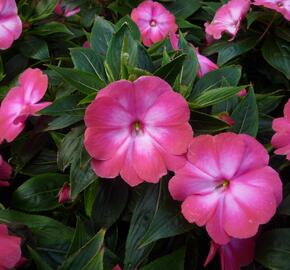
point(21, 102)
point(227, 186)
point(281, 139)
point(86, 45)
point(204, 64)
point(137, 129)
point(234, 255)
point(174, 40)
point(10, 23)
point(228, 19)
point(64, 193)
point(281, 6)
point(5, 172)
point(224, 116)
point(242, 93)
point(67, 11)
point(117, 267)
point(10, 249)
point(155, 22)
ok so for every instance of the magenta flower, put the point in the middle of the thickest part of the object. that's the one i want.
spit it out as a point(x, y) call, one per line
point(138, 130)
point(281, 139)
point(64, 193)
point(21, 102)
point(86, 45)
point(10, 250)
point(234, 255)
point(204, 64)
point(5, 172)
point(155, 22)
point(67, 12)
point(224, 116)
point(281, 6)
point(227, 186)
point(10, 23)
point(228, 18)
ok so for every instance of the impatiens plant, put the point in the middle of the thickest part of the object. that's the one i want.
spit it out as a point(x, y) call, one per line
point(144, 135)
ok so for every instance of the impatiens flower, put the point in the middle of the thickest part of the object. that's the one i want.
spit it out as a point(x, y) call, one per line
point(227, 186)
point(281, 139)
point(86, 45)
point(67, 12)
point(154, 21)
point(228, 18)
point(10, 23)
point(5, 172)
point(204, 64)
point(234, 255)
point(10, 250)
point(242, 93)
point(117, 267)
point(21, 102)
point(224, 116)
point(64, 193)
point(138, 130)
point(281, 6)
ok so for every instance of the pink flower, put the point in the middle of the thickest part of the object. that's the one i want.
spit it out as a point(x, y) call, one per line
point(204, 64)
point(138, 130)
point(281, 139)
point(224, 116)
point(21, 102)
point(155, 22)
point(64, 193)
point(10, 23)
point(227, 186)
point(68, 11)
point(234, 255)
point(5, 172)
point(174, 40)
point(10, 250)
point(228, 18)
point(86, 45)
point(242, 93)
point(281, 6)
point(117, 267)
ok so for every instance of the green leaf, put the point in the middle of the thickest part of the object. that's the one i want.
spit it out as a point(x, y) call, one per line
point(34, 48)
point(40, 263)
point(170, 71)
point(214, 96)
point(273, 249)
point(132, 26)
point(172, 261)
point(284, 208)
point(63, 122)
point(68, 147)
point(85, 82)
point(268, 102)
point(50, 29)
point(183, 8)
point(110, 201)
point(246, 115)
point(277, 53)
point(101, 35)
point(46, 233)
point(89, 61)
point(89, 197)
point(43, 9)
point(39, 193)
point(83, 256)
point(226, 76)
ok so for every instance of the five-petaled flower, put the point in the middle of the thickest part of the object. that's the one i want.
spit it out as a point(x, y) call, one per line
point(227, 186)
point(155, 23)
point(10, 23)
point(138, 130)
point(228, 19)
point(21, 102)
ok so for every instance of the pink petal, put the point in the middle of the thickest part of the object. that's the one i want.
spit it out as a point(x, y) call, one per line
point(212, 251)
point(5, 170)
point(200, 208)
point(280, 139)
point(281, 124)
point(174, 139)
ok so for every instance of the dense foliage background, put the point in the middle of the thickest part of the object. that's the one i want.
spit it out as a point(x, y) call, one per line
point(106, 222)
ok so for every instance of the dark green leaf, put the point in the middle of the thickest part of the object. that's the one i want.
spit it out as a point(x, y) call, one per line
point(40, 263)
point(43, 9)
point(183, 8)
point(34, 48)
point(51, 28)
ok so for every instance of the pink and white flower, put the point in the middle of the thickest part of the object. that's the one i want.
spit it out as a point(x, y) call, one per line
point(228, 19)
point(227, 186)
point(281, 139)
point(138, 130)
point(281, 6)
point(21, 102)
point(155, 22)
point(204, 64)
point(10, 23)
point(67, 12)
point(10, 249)
point(5, 172)
point(234, 255)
